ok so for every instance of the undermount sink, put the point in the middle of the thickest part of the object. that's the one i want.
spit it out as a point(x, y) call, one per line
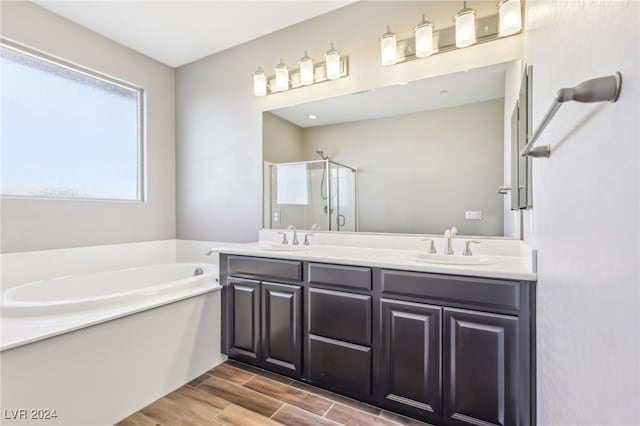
point(448, 259)
point(282, 247)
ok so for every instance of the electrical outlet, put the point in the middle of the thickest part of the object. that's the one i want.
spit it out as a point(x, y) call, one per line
point(473, 215)
point(276, 216)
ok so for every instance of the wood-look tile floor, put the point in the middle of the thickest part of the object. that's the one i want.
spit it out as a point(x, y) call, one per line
point(236, 394)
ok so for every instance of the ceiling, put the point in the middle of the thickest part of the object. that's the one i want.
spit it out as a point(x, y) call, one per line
point(445, 91)
point(179, 32)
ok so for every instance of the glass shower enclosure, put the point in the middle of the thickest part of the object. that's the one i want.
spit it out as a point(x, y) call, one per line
point(320, 194)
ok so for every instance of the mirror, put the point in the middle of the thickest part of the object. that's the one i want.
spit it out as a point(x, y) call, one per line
point(415, 158)
point(520, 133)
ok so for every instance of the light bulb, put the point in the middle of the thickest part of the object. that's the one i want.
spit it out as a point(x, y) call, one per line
point(332, 61)
point(259, 83)
point(424, 39)
point(306, 70)
point(388, 48)
point(510, 17)
point(282, 76)
point(465, 27)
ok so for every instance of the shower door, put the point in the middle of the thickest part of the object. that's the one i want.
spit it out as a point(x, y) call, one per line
point(311, 195)
point(344, 199)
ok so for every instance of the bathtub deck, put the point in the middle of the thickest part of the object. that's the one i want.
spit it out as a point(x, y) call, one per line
point(236, 394)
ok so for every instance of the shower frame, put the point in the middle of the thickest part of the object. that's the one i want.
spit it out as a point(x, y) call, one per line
point(327, 167)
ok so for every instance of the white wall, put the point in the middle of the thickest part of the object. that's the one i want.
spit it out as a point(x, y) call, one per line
point(219, 121)
point(36, 224)
point(586, 214)
point(419, 172)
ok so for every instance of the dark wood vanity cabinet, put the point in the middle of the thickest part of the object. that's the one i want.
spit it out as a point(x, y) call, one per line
point(338, 330)
point(244, 319)
point(480, 368)
point(282, 327)
point(448, 350)
point(262, 320)
point(411, 358)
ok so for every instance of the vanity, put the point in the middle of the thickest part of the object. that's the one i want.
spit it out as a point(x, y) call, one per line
point(445, 344)
point(361, 304)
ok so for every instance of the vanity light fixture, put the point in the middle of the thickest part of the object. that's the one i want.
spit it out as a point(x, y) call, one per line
point(424, 38)
point(332, 61)
point(468, 29)
point(388, 48)
point(307, 73)
point(259, 83)
point(306, 70)
point(465, 27)
point(510, 17)
point(282, 76)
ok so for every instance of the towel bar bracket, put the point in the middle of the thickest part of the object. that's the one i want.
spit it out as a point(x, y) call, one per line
point(602, 89)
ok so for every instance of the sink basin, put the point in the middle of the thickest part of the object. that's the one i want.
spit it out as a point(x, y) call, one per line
point(448, 259)
point(282, 247)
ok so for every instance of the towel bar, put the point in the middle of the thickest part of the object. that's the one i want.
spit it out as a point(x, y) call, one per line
point(596, 90)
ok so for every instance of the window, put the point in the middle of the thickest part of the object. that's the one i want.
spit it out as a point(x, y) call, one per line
point(67, 132)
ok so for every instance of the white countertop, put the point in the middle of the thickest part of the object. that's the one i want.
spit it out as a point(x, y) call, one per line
point(516, 266)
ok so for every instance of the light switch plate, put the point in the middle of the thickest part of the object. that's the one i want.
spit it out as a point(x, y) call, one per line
point(473, 215)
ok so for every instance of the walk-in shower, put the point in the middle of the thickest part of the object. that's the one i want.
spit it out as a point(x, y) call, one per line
point(307, 193)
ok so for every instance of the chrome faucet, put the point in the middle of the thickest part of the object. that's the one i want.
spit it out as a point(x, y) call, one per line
point(284, 237)
point(467, 249)
point(306, 239)
point(295, 241)
point(432, 246)
point(449, 234)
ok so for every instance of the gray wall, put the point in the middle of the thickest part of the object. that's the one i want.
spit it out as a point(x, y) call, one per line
point(282, 140)
point(420, 172)
point(35, 224)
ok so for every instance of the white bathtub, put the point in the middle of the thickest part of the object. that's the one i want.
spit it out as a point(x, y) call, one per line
point(98, 346)
point(107, 289)
point(45, 308)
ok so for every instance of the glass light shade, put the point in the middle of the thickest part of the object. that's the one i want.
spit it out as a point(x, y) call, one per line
point(465, 28)
point(332, 62)
point(388, 48)
point(510, 17)
point(424, 39)
point(259, 83)
point(306, 70)
point(282, 76)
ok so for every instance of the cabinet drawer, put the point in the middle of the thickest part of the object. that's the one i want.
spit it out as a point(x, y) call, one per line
point(497, 294)
point(258, 267)
point(339, 315)
point(339, 275)
point(340, 366)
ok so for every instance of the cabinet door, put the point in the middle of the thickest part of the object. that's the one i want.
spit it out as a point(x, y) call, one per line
point(410, 358)
point(480, 368)
point(282, 328)
point(340, 366)
point(244, 320)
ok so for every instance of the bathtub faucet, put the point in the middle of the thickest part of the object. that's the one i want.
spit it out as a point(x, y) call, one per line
point(210, 252)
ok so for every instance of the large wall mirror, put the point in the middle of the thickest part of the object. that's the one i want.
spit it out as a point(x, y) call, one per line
point(414, 158)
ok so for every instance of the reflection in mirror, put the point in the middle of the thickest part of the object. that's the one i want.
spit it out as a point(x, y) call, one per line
point(520, 133)
point(415, 158)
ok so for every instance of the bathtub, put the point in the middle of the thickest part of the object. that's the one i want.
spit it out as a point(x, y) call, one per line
point(45, 308)
point(107, 289)
point(109, 336)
